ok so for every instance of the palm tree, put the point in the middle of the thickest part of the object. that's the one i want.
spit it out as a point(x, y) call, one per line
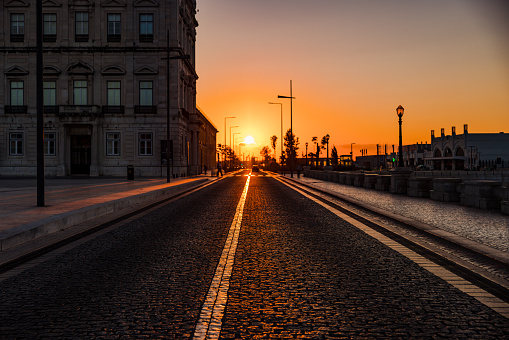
point(315, 139)
point(325, 141)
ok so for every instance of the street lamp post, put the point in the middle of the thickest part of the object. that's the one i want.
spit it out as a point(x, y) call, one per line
point(399, 111)
point(291, 126)
point(40, 107)
point(224, 145)
point(306, 153)
point(186, 56)
point(281, 128)
point(231, 127)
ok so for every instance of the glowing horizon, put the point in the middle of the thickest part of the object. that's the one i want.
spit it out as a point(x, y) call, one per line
point(444, 62)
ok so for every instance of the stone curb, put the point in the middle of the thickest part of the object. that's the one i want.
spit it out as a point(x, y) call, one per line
point(33, 230)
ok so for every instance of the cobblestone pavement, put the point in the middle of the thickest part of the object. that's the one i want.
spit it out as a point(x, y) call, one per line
point(299, 272)
point(146, 279)
point(484, 226)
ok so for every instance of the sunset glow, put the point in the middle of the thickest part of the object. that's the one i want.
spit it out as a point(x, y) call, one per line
point(352, 63)
point(249, 140)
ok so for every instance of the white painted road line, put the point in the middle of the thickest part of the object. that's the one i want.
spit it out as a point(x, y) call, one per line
point(209, 324)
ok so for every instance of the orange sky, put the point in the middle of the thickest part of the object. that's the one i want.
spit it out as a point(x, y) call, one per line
point(352, 63)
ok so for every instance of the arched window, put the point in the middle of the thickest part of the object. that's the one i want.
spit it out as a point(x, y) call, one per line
point(460, 152)
point(437, 153)
point(448, 153)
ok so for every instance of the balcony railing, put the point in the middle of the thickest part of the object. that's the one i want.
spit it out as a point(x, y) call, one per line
point(51, 108)
point(80, 110)
point(114, 37)
point(110, 109)
point(145, 109)
point(81, 38)
point(17, 37)
point(16, 109)
point(146, 38)
point(49, 37)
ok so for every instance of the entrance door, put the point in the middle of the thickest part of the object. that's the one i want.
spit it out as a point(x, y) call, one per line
point(80, 155)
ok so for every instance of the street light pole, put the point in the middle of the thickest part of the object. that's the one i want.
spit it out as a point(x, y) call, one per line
point(186, 56)
point(224, 145)
point(40, 107)
point(306, 153)
point(291, 126)
point(231, 127)
point(400, 110)
point(281, 128)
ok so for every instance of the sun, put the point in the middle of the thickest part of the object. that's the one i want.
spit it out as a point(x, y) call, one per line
point(249, 140)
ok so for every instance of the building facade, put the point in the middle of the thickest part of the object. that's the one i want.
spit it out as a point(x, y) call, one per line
point(106, 78)
point(473, 151)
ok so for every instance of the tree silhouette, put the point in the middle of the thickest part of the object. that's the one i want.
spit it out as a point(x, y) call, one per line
point(273, 141)
point(291, 147)
point(325, 142)
point(334, 155)
point(265, 153)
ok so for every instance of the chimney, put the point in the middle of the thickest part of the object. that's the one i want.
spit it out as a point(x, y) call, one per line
point(454, 130)
point(465, 129)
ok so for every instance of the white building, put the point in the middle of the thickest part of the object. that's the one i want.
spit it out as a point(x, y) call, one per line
point(105, 85)
point(468, 150)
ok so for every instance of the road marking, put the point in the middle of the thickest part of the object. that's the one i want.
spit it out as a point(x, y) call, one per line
point(465, 286)
point(209, 324)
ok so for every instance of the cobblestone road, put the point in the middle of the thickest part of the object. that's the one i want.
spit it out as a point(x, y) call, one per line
point(299, 272)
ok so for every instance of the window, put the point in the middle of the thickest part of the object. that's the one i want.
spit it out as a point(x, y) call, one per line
point(114, 27)
point(145, 144)
point(17, 93)
point(81, 27)
point(49, 144)
point(80, 92)
point(113, 93)
point(50, 27)
point(50, 97)
point(113, 144)
point(146, 90)
point(16, 143)
point(50, 93)
point(17, 27)
point(146, 27)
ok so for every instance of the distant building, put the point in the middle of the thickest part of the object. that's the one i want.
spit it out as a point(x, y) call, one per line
point(105, 85)
point(468, 150)
point(413, 156)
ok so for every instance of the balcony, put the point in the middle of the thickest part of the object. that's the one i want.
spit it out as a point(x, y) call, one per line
point(79, 110)
point(17, 37)
point(81, 38)
point(146, 38)
point(51, 109)
point(145, 109)
point(110, 109)
point(16, 109)
point(49, 38)
point(114, 37)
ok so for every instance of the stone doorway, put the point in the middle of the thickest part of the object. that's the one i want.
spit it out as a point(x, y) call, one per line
point(81, 154)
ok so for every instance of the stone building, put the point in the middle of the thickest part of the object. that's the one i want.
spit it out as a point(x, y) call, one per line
point(468, 150)
point(105, 88)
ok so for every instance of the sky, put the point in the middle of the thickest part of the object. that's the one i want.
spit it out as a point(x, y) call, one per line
point(352, 62)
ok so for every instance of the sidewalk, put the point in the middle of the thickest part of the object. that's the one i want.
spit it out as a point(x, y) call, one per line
point(481, 229)
point(74, 200)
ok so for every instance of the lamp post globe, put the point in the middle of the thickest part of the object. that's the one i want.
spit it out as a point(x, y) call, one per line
point(399, 111)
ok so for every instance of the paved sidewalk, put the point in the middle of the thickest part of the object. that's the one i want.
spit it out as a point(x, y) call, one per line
point(488, 230)
point(73, 200)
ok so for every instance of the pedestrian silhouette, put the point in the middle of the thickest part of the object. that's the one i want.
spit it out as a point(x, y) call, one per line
point(219, 171)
